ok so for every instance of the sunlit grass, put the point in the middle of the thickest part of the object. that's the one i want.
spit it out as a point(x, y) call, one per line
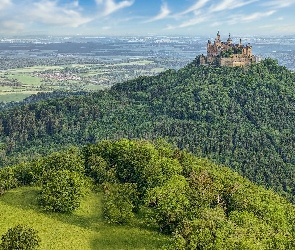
point(25, 79)
point(84, 229)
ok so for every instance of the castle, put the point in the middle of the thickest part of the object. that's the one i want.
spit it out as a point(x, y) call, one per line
point(227, 54)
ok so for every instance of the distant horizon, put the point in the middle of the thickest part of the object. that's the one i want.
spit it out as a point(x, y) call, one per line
point(224, 36)
point(141, 18)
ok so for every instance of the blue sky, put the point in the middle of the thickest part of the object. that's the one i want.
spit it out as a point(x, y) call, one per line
point(147, 17)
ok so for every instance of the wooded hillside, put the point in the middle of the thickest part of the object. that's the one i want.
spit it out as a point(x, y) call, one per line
point(242, 118)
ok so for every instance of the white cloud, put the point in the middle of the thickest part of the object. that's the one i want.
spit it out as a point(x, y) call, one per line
point(50, 13)
point(251, 17)
point(198, 5)
point(196, 20)
point(280, 3)
point(4, 4)
point(11, 27)
point(111, 6)
point(192, 22)
point(230, 4)
point(257, 15)
point(163, 13)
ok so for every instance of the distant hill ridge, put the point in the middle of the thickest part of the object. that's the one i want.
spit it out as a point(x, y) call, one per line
point(240, 117)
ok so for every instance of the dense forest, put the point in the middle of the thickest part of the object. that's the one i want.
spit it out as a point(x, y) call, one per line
point(239, 117)
point(198, 204)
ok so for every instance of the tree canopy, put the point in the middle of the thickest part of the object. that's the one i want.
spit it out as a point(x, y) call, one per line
point(240, 117)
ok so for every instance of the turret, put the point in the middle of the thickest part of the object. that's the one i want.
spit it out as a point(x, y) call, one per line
point(229, 40)
point(218, 37)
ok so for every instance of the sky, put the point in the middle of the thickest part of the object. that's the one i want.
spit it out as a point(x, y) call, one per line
point(146, 17)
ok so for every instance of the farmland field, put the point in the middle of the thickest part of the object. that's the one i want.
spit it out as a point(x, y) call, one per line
point(17, 84)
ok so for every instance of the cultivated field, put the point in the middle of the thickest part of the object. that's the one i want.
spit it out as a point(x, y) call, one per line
point(17, 84)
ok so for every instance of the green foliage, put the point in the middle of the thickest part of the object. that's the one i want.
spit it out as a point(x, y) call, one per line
point(7, 179)
point(62, 191)
point(20, 237)
point(170, 203)
point(227, 53)
point(99, 171)
point(242, 118)
point(119, 202)
point(202, 205)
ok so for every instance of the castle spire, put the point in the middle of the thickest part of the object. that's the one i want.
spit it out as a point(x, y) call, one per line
point(218, 36)
point(229, 40)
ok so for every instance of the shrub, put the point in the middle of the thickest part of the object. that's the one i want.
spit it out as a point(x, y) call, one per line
point(119, 202)
point(62, 191)
point(7, 179)
point(20, 237)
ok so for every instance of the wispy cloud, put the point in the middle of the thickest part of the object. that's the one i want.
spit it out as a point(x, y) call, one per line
point(251, 17)
point(199, 18)
point(229, 5)
point(50, 13)
point(198, 5)
point(280, 3)
point(193, 21)
point(257, 15)
point(110, 6)
point(4, 4)
point(164, 12)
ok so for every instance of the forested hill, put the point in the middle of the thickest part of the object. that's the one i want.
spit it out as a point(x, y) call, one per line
point(243, 118)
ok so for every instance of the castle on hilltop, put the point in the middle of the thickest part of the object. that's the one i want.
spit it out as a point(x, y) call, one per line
point(227, 54)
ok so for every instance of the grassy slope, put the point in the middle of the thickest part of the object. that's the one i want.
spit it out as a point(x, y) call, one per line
point(85, 229)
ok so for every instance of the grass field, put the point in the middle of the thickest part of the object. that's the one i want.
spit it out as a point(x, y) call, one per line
point(84, 229)
point(25, 79)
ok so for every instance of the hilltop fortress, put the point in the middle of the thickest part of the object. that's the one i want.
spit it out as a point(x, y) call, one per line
point(227, 54)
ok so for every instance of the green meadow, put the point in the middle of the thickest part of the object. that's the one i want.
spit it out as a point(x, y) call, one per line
point(84, 229)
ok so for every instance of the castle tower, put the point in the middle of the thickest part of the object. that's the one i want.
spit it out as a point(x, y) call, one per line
point(217, 39)
point(229, 40)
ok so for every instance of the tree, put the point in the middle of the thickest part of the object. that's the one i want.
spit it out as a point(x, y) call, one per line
point(62, 191)
point(119, 202)
point(20, 237)
point(170, 203)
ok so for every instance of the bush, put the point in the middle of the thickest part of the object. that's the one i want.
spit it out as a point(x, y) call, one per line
point(62, 191)
point(119, 202)
point(7, 179)
point(20, 237)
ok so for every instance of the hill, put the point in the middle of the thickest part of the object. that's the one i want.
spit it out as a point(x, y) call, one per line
point(147, 196)
point(239, 117)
